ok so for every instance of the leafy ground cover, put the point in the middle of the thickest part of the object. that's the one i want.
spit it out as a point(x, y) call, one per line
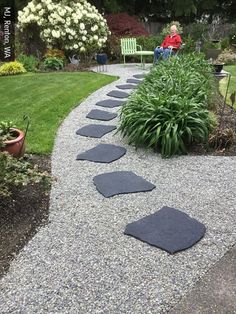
point(232, 86)
point(22, 214)
point(46, 98)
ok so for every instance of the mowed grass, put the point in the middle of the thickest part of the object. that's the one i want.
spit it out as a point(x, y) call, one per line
point(232, 86)
point(47, 98)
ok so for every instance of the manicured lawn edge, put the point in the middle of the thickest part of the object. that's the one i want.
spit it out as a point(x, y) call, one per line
point(232, 87)
point(47, 98)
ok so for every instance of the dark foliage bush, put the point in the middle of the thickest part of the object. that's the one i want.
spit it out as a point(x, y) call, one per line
point(112, 48)
point(169, 109)
point(124, 25)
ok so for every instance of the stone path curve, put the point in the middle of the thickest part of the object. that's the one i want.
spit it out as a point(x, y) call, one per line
point(82, 263)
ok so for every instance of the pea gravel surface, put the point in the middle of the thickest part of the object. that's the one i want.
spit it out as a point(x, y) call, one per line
point(82, 262)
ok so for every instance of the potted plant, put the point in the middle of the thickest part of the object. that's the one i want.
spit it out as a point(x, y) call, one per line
point(12, 139)
point(217, 64)
point(213, 49)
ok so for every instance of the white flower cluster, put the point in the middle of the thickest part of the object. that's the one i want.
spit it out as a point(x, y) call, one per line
point(70, 25)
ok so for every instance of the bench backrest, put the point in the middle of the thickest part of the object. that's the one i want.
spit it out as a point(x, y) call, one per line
point(128, 46)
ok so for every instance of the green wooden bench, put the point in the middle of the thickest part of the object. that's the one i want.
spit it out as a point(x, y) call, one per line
point(129, 47)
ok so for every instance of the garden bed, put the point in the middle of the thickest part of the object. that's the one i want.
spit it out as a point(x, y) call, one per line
point(228, 122)
point(22, 214)
point(27, 210)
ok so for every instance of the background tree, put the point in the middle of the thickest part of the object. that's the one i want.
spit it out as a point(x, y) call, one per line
point(166, 10)
point(162, 10)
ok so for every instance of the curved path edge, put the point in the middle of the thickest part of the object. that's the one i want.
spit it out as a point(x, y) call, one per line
point(81, 262)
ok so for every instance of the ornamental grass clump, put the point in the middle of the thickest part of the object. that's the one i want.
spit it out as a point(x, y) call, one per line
point(170, 108)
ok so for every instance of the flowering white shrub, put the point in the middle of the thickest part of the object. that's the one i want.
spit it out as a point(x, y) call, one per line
point(69, 25)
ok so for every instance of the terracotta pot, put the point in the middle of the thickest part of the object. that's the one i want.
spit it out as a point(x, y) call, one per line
point(15, 147)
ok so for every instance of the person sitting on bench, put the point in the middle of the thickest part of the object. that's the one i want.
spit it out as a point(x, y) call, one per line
point(170, 45)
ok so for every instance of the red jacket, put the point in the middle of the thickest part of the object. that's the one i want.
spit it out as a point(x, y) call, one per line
point(174, 41)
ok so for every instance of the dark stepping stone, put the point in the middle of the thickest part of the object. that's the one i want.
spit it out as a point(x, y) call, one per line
point(127, 86)
point(110, 103)
point(134, 81)
point(95, 130)
point(138, 76)
point(101, 115)
point(118, 94)
point(168, 229)
point(121, 182)
point(104, 153)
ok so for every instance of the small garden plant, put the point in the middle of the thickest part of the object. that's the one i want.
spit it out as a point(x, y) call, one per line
point(17, 172)
point(5, 132)
point(30, 63)
point(169, 111)
point(53, 63)
point(12, 68)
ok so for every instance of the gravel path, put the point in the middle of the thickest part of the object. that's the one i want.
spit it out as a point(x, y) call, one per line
point(82, 263)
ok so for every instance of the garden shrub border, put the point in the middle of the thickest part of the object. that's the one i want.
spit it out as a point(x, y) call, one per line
point(169, 110)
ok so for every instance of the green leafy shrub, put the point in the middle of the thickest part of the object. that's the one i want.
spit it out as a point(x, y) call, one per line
point(17, 172)
point(166, 29)
point(12, 68)
point(30, 63)
point(149, 42)
point(6, 132)
point(225, 43)
point(169, 109)
point(197, 31)
point(53, 63)
point(189, 44)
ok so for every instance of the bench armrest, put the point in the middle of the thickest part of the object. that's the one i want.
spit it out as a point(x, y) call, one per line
point(140, 47)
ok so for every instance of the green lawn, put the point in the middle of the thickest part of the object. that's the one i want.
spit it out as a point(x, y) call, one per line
point(47, 98)
point(232, 86)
